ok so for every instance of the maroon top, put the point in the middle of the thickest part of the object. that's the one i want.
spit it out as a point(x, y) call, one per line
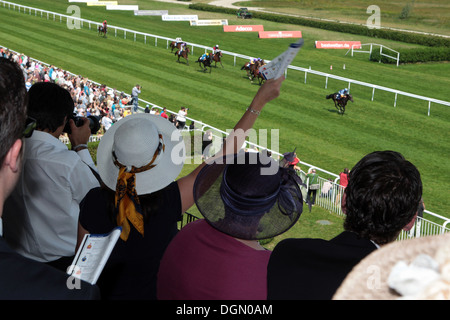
point(202, 263)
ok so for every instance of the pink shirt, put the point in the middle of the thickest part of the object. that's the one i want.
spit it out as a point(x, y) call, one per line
point(202, 263)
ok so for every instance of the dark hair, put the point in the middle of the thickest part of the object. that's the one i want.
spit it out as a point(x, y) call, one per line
point(382, 196)
point(49, 104)
point(13, 106)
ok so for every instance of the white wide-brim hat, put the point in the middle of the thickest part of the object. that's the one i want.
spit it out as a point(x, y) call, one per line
point(135, 140)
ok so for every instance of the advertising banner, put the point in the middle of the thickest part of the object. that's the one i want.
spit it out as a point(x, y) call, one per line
point(280, 34)
point(243, 28)
point(150, 12)
point(209, 22)
point(338, 44)
point(179, 17)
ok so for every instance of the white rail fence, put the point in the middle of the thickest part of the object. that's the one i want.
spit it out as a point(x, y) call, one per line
point(327, 197)
point(125, 31)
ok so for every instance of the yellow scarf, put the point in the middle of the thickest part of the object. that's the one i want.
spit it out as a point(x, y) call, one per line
point(127, 200)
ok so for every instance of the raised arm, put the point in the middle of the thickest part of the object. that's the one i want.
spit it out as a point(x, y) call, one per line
point(267, 92)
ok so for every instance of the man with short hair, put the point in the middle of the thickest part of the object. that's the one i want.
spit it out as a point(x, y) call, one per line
point(382, 198)
point(22, 278)
point(41, 216)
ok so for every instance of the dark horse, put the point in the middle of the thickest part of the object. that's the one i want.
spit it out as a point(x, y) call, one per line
point(206, 62)
point(184, 54)
point(102, 30)
point(340, 103)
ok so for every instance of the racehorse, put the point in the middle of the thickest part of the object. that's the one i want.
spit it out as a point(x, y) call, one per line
point(175, 44)
point(184, 54)
point(249, 67)
point(340, 103)
point(206, 62)
point(254, 69)
point(216, 58)
point(101, 30)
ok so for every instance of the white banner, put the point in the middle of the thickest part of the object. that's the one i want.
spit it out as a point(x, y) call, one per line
point(151, 12)
point(122, 7)
point(179, 17)
point(101, 3)
point(209, 22)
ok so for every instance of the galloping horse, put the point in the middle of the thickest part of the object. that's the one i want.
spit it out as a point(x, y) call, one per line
point(249, 68)
point(340, 103)
point(216, 58)
point(206, 62)
point(254, 69)
point(184, 54)
point(175, 44)
point(103, 30)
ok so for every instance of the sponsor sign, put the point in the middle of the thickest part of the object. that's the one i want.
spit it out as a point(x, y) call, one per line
point(101, 3)
point(150, 12)
point(122, 7)
point(244, 28)
point(280, 34)
point(209, 22)
point(178, 17)
point(338, 44)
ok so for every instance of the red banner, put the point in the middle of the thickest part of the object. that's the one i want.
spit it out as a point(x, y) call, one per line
point(338, 44)
point(280, 34)
point(244, 28)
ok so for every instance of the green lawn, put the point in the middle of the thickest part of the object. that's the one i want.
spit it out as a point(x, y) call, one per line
point(304, 118)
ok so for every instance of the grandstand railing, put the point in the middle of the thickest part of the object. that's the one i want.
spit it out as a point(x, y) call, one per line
point(135, 33)
point(330, 201)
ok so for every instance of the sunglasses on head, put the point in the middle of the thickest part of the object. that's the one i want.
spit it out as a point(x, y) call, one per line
point(30, 125)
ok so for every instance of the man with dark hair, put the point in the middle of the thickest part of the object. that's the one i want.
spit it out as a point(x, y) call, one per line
point(41, 216)
point(382, 198)
point(22, 278)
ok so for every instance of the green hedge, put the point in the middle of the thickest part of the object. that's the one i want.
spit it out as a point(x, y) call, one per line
point(430, 41)
point(416, 55)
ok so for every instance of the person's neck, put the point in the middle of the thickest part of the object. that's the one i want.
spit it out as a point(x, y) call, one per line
point(252, 244)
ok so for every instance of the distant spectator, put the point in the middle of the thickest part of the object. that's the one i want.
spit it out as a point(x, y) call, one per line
point(135, 97)
point(383, 197)
point(313, 186)
point(164, 114)
point(181, 118)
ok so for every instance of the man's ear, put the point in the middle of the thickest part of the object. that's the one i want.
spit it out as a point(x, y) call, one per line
point(12, 158)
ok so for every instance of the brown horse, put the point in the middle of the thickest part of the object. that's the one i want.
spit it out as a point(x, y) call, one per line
point(216, 58)
point(249, 68)
point(102, 30)
point(254, 70)
point(340, 103)
point(175, 44)
point(184, 54)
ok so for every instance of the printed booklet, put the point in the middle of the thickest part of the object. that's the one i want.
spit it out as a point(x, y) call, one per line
point(276, 68)
point(93, 254)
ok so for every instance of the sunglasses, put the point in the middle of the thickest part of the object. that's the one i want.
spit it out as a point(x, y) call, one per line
point(30, 125)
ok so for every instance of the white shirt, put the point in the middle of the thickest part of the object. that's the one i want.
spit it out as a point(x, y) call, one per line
point(181, 116)
point(107, 122)
point(40, 218)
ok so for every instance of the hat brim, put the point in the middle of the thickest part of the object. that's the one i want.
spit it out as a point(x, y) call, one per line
point(169, 164)
point(248, 227)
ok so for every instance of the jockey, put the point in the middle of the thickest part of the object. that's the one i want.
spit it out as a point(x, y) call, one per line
point(105, 25)
point(204, 56)
point(215, 49)
point(342, 93)
point(182, 45)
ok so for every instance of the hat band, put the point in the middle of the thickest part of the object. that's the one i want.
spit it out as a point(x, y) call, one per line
point(244, 205)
